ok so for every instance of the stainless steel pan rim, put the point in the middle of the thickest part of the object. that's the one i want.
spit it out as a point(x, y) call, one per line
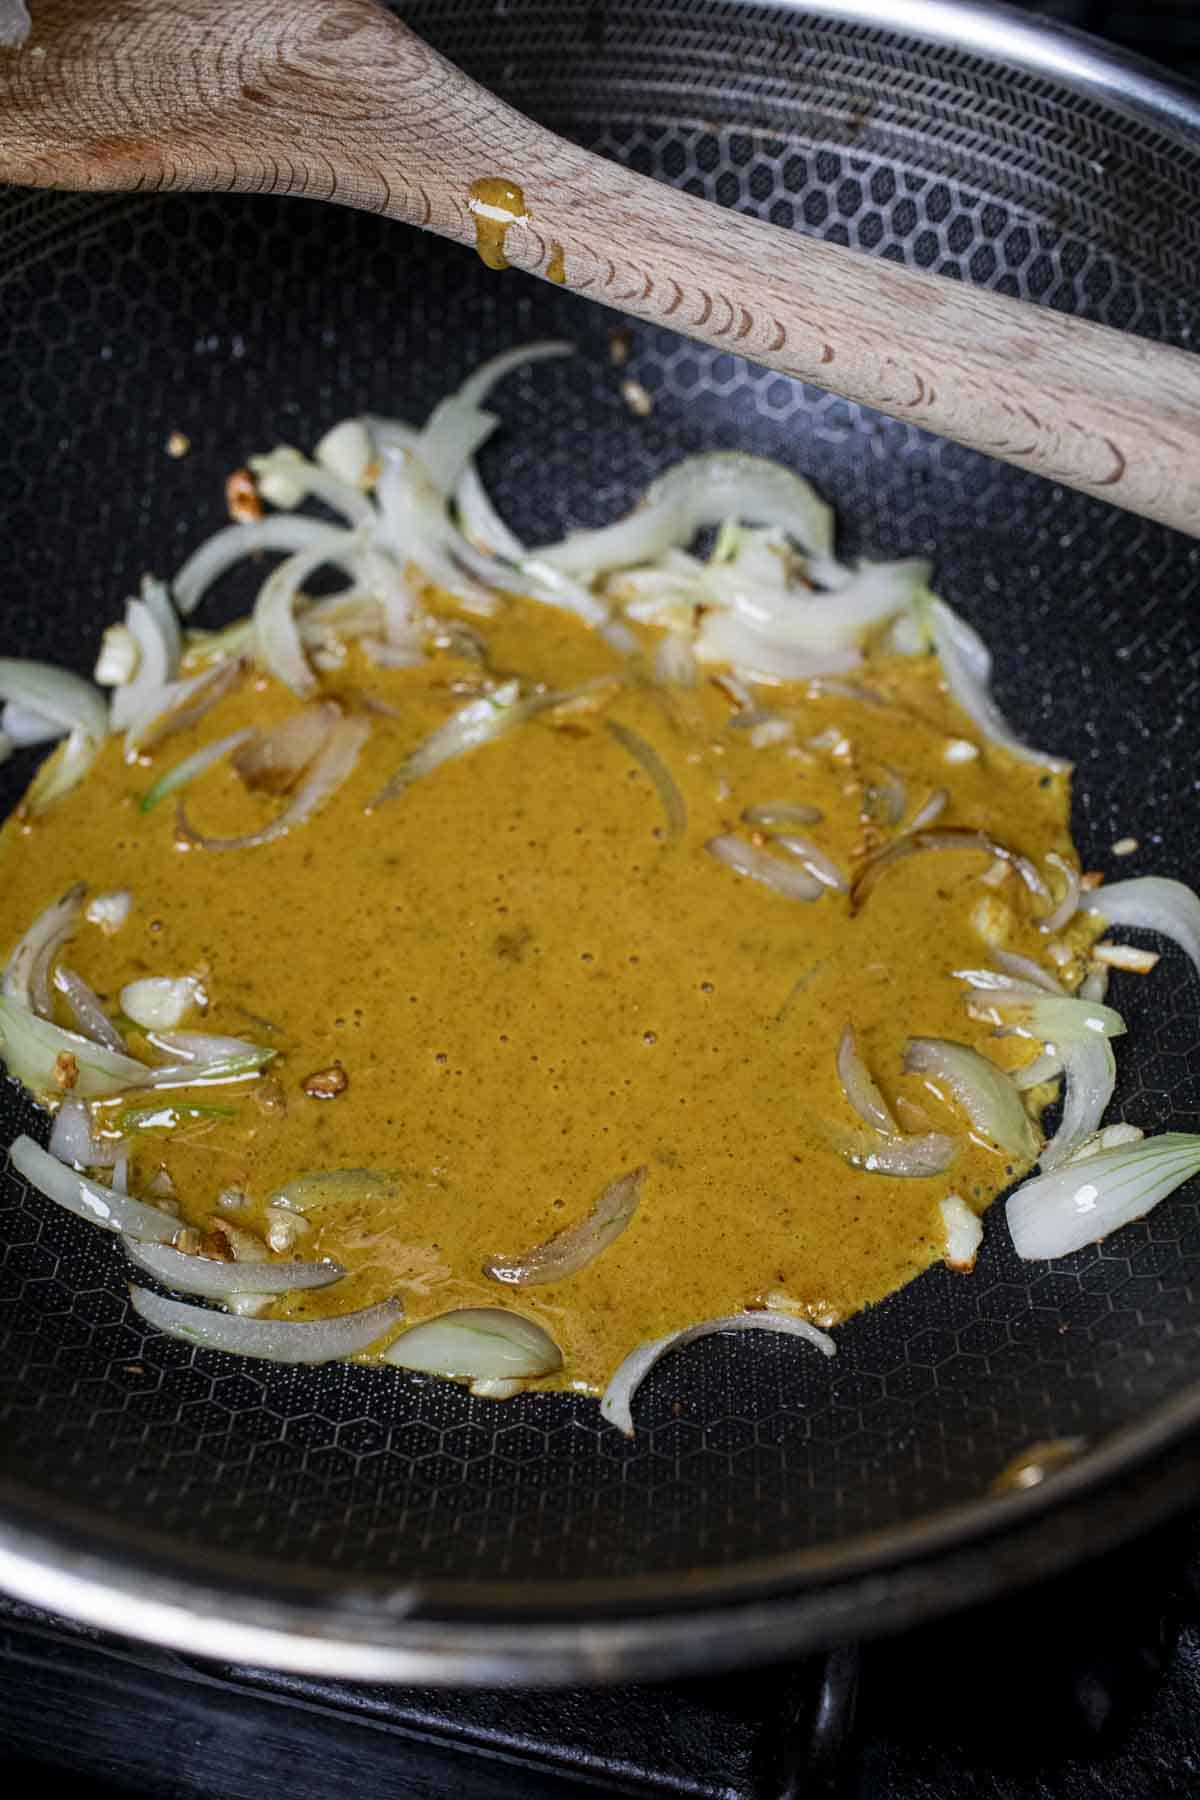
point(492, 1632)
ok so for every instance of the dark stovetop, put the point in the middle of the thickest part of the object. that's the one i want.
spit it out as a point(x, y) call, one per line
point(1087, 1689)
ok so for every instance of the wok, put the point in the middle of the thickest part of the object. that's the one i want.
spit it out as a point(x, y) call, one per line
point(360, 1523)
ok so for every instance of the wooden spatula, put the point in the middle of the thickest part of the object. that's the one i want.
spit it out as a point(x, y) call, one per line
point(336, 100)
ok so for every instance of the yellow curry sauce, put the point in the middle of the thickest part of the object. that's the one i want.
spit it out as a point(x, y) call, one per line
point(531, 989)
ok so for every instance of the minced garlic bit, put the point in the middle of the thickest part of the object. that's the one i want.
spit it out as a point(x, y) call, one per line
point(1125, 846)
point(1126, 956)
point(620, 343)
point(109, 911)
point(992, 919)
point(119, 657)
point(241, 498)
point(178, 444)
point(1090, 880)
point(960, 750)
point(636, 398)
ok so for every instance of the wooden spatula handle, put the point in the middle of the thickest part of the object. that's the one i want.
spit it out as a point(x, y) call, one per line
point(337, 100)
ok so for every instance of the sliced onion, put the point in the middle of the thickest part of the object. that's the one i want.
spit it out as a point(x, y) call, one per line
point(346, 451)
point(986, 1093)
point(280, 649)
point(285, 477)
point(415, 528)
point(964, 1234)
point(480, 521)
point(333, 766)
point(336, 1188)
point(798, 619)
point(786, 878)
point(860, 1087)
point(27, 975)
point(1091, 1075)
point(617, 1404)
point(478, 722)
point(699, 491)
point(673, 804)
point(887, 797)
point(62, 770)
point(781, 814)
point(1068, 906)
point(1152, 903)
point(25, 729)
point(1025, 969)
point(158, 1002)
point(57, 695)
point(1054, 1214)
point(215, 1279)
point(568, 1251)
point(205, 1048)
point(50, 1061)
point(911, 1158)
point(71, 1139)
point(280, 534)
point(78, 1194)
point(757, 657)
point(485, 1343)
point(967, 666)
point(158, 663)
point(90, 1016)
point(457, 426)
point(216, 1072)
point(273, 762)
point(933, 809)
point(1046, 1067)
point(1051, 1018)
point(675, 662)
point(171, 781)
point(275, 1340)
point(811, 857)
point(183, 704)
point(953, 838)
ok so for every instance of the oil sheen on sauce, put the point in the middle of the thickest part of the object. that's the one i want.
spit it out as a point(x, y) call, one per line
point(532, 988)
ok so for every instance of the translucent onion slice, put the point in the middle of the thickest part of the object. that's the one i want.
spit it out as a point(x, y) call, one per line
point(725, 638)
point(1091, 1075)
point(457, 426)
point(1051, 1018)
point(1054, 1214)
point(913, 1158)
point(964, 1234)
point(336, 1188)
point(987, 1094)
point(58, 695)
point(173, 780)
point(1068, 906)
point(647, 756)
point(786, 878)
point(967, 665)
point(332, 767)
point(478, 722)
point(617, 1404)
point(158, 663)
point(781, 814)
point(1025, 969)
point(482, 1343)
point(62, 770)
point(699, 491)
point(183, 704)
point(820, 866)
point(568, 1251)
point(90, 1015)
point(85, 1198)
point(952, 838)
point(205, 1048)
point(860, 1087)
point(933, 809)
point(50, 1061)
point(821, 623)
point(345, 451)
point(675, 662)
point(480, 521)
point(1046, 1067)
point(279, 534)
point(273, 762)
point(277, 637)
point(274, 1340)
point(216, 1072)
point(1153, 903)
point(215, 1279)
point(25, 729)
point(71, 1139)
point(27, 975)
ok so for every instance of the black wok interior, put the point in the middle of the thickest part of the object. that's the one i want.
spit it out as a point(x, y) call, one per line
point(244, 322)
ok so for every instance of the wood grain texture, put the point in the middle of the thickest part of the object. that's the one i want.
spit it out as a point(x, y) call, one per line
point(336, 100)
